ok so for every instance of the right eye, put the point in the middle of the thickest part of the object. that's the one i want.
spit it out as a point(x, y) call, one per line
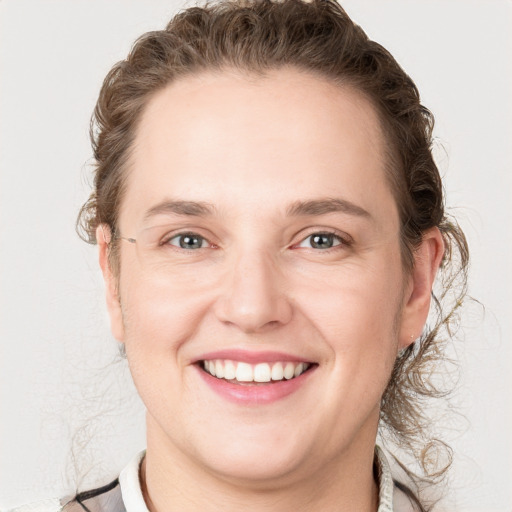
point(189, 241)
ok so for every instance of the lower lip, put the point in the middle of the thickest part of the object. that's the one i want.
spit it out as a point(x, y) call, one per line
point(258, 393)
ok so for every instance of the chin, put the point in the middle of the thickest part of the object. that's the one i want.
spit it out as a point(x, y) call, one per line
point(263, 454)
point(260, 466)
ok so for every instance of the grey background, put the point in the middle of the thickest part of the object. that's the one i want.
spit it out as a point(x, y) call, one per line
point(57, 375)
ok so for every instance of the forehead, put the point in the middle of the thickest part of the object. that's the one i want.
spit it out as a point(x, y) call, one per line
point(229, 137)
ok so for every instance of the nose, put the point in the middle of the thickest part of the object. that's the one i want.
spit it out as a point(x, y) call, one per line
point(253, 295)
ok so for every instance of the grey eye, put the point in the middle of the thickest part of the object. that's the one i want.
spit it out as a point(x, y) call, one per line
point(188, 241)
point(321, 241)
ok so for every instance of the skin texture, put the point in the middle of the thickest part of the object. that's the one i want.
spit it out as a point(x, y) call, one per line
point(251, 148)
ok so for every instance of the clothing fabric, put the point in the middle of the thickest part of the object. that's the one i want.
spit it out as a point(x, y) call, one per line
point(124, 494)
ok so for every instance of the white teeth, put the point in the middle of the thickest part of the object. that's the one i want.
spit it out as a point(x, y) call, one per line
point(244, 372)
point(261, 372)
point(277, 372)
point(289, 371)
point(219, 369)
point(229, 370)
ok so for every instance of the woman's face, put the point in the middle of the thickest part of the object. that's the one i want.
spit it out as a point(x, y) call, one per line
point(267, 236)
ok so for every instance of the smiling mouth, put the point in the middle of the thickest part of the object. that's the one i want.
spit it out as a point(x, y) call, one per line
point(238, 372)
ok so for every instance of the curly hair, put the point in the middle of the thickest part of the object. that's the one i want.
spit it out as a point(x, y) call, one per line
point(317, 36)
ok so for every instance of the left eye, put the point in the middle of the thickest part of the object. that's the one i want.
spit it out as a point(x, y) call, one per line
point(188, 241)
point(321, 241)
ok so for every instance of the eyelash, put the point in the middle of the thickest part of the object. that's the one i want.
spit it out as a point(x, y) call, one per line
point(344, 241)
point(165, 241)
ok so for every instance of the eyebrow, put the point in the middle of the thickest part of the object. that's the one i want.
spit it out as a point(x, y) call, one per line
point(311, 207)
point(324, 206)
point(190, 208)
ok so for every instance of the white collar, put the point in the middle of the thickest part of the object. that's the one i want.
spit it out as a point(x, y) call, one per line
point(130, 485)
point(134, 501)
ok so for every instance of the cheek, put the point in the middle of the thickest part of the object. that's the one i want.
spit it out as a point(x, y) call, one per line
point(158, 320)
point(364, 298)
point(159, 314)
point(356, 311)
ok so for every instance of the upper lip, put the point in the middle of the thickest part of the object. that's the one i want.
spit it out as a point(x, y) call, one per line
point(251, 356)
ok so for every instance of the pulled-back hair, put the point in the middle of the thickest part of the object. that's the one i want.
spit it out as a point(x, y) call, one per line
point(318, 37)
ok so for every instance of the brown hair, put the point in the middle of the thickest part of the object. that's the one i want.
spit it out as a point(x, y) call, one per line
point(318, 37)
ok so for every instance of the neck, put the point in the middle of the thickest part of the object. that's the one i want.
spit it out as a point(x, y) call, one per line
point(171, 481)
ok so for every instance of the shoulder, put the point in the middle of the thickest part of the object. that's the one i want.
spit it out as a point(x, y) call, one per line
point(394, 496)
point(48, 505)
point(107, 498)
point(403, 499)
point(102, 499)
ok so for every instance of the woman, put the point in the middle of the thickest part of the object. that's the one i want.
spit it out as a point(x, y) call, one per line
point(270, 223)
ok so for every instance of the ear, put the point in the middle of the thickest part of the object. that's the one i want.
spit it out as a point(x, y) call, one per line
point(103, 236)
point(417, 297)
